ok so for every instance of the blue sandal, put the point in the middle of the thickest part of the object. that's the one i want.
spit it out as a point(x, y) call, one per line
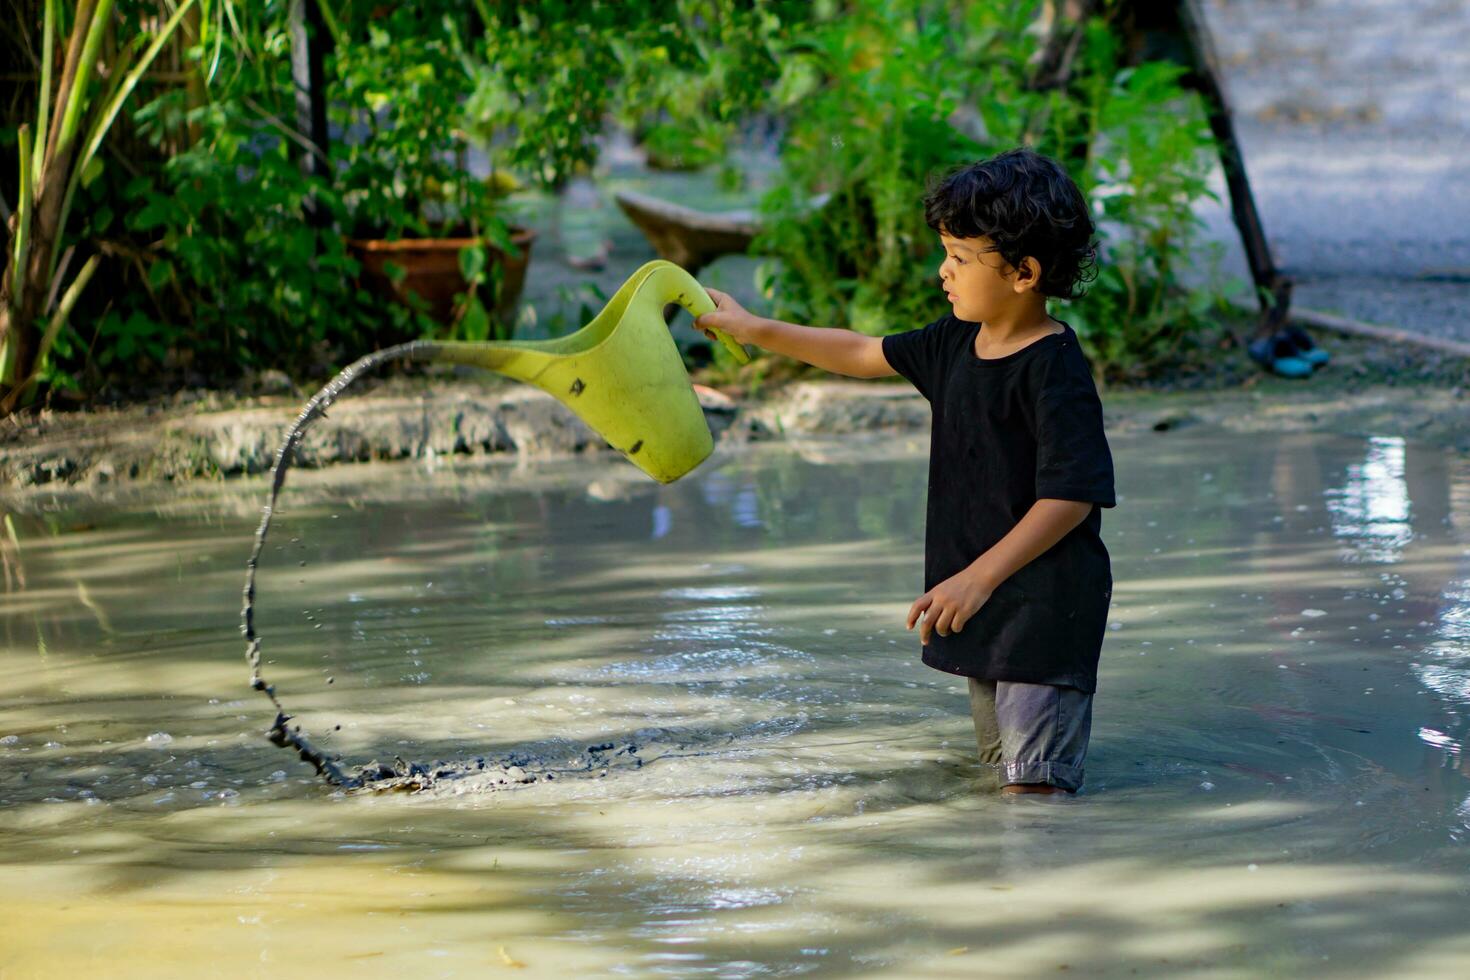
point(1280, 356)
point(1306, 348)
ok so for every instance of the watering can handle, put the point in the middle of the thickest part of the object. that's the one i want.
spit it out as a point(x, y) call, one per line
point(702, 304)
point(736, 350)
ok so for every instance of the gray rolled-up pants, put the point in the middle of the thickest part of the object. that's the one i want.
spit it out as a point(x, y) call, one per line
point(1035, 733)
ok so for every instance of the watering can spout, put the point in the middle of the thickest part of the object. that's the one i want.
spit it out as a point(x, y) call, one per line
point(621, 374)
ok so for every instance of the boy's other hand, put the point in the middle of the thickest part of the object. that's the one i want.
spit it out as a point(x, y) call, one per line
point(728, 316)
point(948, 606)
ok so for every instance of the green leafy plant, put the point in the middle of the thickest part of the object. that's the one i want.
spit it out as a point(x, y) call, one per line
point(690, 80)
point(56, 158)
point(679, 73)
point(542, 79)
point(399, 83)
point(1142, 152)
point(868, 119)
point(202, 266)
point(871, 118)
point(216, 272)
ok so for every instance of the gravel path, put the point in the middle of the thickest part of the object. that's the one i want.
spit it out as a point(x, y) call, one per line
point(1354, 116)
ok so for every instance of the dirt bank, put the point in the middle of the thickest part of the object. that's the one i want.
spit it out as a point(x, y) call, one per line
point(1370, 388)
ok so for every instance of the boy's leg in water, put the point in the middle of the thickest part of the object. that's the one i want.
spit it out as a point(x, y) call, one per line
point(1044, 732)
point(987, 728)
point(1034, 789)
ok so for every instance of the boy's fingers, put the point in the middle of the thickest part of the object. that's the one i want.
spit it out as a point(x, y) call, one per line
point(962, 618)
point(919, 605)
point(930, 620)
point(942, 625)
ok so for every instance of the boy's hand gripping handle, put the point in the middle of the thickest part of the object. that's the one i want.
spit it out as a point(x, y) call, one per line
point(698, 304)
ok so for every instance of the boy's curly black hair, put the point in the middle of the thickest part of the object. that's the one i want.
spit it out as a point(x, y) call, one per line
point(1027, 205)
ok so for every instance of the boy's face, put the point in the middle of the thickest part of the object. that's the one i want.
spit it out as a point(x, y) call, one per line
point(978, 282)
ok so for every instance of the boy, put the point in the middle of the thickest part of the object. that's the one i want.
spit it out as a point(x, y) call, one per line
point(1017, 579)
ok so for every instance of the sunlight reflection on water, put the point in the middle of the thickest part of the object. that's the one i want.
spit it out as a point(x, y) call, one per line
point(1371, 510)
point(1277, 770)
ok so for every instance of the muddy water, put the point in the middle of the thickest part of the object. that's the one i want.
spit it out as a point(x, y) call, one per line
point(1277, 781)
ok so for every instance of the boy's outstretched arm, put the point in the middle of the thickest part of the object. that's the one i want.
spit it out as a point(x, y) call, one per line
point(839, 351)
point(951, 603)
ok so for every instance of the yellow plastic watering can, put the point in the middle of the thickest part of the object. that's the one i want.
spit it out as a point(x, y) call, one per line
point(621, 374)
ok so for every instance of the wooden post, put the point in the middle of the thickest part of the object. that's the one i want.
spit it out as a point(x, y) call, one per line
point(1177, 32)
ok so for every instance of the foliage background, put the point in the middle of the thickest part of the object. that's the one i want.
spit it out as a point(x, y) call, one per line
point(872, 122)
point(212, 271)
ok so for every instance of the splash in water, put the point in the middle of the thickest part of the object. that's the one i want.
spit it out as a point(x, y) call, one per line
point(281, 733)
point(478, 772)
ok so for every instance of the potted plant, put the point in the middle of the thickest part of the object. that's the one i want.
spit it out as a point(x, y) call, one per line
point(466, 270)
point(426, 232)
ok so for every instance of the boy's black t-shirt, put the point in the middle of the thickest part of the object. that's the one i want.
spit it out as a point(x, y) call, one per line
point(1007, 432)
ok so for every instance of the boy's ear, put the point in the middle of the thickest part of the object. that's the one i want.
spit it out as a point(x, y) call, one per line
point(1028, 275)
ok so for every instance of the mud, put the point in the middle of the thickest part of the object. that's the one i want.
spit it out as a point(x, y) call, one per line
point(481, 775)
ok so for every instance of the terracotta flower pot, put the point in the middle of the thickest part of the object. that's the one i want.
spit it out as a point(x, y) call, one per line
point(431, 270)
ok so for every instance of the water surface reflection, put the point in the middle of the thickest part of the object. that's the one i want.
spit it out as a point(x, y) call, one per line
point(1277, 781)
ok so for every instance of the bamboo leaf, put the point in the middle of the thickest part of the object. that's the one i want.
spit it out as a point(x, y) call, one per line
point(75, 33)
point(76, 99)
point(43, 110)
point(112, 106)
point(91, 171)
point(219, 36)
point(21, 243)
point(63, 310)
